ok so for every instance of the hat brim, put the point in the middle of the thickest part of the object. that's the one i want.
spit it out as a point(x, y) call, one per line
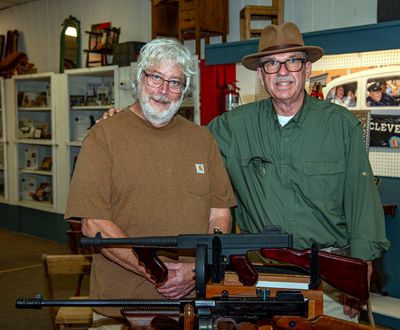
point(314, 53)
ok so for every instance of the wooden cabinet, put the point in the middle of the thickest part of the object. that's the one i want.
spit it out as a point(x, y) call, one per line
point(202, 19)
point(3, 145)
point(190, 19)
point(164, 18)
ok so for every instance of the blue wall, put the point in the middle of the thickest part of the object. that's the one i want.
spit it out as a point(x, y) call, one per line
point(47, 225)
point(389, 265)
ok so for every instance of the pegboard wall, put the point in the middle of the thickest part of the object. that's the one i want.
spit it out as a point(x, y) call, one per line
point(384, 161)
point(356, 60)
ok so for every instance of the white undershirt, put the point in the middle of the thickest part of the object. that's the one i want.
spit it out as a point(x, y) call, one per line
point(283, 120)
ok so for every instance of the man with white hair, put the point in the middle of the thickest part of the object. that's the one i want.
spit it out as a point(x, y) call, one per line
point(148, 172)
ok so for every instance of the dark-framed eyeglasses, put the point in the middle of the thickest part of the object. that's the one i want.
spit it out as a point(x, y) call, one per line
point(294, 64)
point(155, 81)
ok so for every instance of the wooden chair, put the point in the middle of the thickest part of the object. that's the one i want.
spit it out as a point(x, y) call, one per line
point(101, 46)
point(273, 13)
point(59, 266)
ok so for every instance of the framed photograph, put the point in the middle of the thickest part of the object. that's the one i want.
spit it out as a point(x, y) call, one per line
point(102, 95)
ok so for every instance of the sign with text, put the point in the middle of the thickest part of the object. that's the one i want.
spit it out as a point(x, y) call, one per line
point(385, 131)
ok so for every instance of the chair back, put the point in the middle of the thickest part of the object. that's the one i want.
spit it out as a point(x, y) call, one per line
point(58, 266)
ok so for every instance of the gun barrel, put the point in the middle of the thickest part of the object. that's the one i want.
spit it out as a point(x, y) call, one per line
point(38, 302)
point(149, 242)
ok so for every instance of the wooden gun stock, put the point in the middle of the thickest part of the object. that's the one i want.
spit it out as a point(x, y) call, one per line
point(347, 274)
point(322, 322)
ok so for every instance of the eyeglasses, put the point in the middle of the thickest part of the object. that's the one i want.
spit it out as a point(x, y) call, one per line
point(292, 64)
point(155, 81)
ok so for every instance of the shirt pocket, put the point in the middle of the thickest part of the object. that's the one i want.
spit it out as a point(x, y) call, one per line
point(256, 165)
point(324, 181)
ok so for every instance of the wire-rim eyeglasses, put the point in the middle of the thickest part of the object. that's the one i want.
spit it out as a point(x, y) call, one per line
point(155, 81)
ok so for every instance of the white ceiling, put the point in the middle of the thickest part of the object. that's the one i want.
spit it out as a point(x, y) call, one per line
point(9, 3)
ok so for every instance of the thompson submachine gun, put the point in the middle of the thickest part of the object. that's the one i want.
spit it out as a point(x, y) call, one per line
point(217, 252)
point(214, 253)
point(287, 310)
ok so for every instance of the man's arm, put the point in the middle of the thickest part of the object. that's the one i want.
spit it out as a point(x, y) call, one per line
point(181, 279)
point(220, 218)
point(121, 256)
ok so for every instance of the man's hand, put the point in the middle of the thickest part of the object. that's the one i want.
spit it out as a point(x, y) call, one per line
point(351, 305)
point(180, 280)
point(109, 113)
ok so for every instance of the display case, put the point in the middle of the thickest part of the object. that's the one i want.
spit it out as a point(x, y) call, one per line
point(35, 145)
point(85, 94)
point(3, 145)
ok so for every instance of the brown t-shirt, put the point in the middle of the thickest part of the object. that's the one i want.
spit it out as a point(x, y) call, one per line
point(150, 182)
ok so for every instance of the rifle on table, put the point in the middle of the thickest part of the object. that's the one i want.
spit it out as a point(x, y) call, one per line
point(214, 253)
point(349, 275)
point(203, 314)
point(287, 310)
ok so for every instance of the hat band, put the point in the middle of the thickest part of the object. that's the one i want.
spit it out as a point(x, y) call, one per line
point(273, 48)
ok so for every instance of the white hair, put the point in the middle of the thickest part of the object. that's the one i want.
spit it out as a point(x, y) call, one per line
point(164, 51)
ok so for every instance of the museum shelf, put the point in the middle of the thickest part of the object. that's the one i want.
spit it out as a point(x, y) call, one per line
point(32, 151)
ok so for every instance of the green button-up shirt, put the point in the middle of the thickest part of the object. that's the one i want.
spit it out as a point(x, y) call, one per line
point(311, 177)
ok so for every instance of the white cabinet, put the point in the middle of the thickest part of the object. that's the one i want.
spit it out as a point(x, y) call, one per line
point(48, 116)
point(3, 145)
point(85, 95)
point(33, 153)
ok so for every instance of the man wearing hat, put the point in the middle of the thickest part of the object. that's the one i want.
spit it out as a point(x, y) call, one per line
point(300, 163)
point(377, 98)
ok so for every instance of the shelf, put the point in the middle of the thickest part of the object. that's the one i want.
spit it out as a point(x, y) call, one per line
point(36, 172)
point(74, 143)
point(35, 141)
point(45, 206)
point(92, 107)
point(34, 109)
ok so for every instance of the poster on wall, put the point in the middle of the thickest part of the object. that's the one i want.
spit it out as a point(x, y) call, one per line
point(385, 131)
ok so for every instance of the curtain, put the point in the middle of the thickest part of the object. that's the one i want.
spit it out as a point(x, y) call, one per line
point(213, 80)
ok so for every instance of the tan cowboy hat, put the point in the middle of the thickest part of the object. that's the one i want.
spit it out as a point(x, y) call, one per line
point(276, 39)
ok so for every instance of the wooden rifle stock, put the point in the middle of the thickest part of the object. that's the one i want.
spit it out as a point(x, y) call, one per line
point(347, 274)
point(322, 322)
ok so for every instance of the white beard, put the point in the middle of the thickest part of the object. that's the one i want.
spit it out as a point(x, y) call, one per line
point(158, 117)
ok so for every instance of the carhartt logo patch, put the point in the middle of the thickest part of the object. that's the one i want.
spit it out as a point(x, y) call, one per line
point(200, 168)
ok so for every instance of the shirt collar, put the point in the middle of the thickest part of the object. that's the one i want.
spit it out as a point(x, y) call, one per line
point(298, 118)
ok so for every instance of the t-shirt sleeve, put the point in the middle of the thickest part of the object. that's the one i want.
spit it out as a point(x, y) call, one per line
point(90, 190)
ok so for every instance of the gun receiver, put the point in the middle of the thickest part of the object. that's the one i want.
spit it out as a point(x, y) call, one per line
point(213, 251)
point(349, 275)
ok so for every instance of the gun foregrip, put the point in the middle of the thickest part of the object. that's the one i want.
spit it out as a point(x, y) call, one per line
point(148, 258)
point(245, 270)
